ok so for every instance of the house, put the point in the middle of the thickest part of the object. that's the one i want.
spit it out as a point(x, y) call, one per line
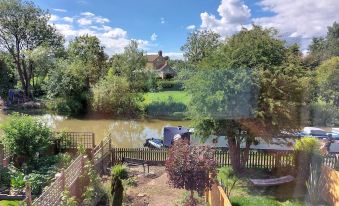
point(159, 64)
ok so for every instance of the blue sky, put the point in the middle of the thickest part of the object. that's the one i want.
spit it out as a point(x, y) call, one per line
point(165, 24)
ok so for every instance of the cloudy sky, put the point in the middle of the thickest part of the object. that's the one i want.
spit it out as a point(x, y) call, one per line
point(165, 24)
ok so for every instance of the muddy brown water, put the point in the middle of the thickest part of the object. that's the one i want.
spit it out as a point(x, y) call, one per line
point(124, 133)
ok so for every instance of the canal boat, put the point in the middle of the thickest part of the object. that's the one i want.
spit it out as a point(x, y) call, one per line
point(170, 134)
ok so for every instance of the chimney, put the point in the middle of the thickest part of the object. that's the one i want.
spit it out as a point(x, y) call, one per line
point(160, 53)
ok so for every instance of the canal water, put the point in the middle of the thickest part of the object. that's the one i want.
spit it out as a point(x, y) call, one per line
point(124, 133)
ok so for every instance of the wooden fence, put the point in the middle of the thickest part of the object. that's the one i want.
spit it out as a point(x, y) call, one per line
point(330, 192)
point(266, 159)
point(72, 140)
point(65, 179)
point(216, 196)
point(101, 156)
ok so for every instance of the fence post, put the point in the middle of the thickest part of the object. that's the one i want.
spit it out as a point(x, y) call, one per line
point(110, 151)
point(93, 140)
point(28, 193)
point(102, 156)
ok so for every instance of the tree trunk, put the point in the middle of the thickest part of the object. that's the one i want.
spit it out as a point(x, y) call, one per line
point(234, 150)
point(245, 153)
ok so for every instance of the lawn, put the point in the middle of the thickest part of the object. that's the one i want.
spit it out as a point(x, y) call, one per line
point(254, 200)
point(166, 105)
point(163, 96)
point(9, 203)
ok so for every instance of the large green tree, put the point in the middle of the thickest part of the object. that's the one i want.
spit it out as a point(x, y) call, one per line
point(131, 65)
point(249, 87)
point(24, 26)
point(199, 45)
point(90, 53)
point(322, 48)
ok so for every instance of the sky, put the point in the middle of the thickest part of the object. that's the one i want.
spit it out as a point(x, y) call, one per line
point(165, 24)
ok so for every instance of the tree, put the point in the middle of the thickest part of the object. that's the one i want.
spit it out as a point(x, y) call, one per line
point(199, 45)
point(250, 87)
point(25, 137)
point(7, 80)
point(190, 167)
point(90, 53)
point(24, 27)
point(323, 48)
point(131, 65)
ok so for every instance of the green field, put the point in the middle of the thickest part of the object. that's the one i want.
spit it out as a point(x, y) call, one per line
point(163, 96)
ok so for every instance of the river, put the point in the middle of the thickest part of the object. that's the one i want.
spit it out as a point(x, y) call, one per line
point(124, 133)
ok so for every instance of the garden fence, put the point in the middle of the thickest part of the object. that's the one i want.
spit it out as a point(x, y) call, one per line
point(101, 156)
point(72, 140)
point(64, 180)
point(265, 159)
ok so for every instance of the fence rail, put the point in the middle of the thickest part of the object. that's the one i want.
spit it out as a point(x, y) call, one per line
point(101, 155)
point(266, 159)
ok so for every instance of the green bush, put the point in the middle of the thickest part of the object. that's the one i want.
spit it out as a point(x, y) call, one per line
point(120, 171)
point(113, 95)
point(5, 177)
point(17, 180)
point(66, 106)
point(170, 84)
point(25, 137)
point(228, 178)
point(307, 144)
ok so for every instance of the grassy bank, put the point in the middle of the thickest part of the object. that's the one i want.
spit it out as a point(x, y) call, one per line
point(166, 104)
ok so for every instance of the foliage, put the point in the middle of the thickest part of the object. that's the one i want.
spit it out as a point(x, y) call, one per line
point(6, 80)
point(120, 171)
point(116, 191)
point(24, 26)
point(227, 177)
point(307, 144)
point(87, 50)
point(67, 199)
point(113, 95)
point(17, 180)
point(190, 167)
point(260, 200)
point(94, 191)
point(200, 44)
point(315, 184)
point(131, 65)
point(250, 85)
point(163, 96)
point(5, 177)
point(323, 48)
point(131, 182)
point(26, 136)
point(170, 84)
point(10, 202)
point(327, 79)
point(324, 114)
point(65, 106)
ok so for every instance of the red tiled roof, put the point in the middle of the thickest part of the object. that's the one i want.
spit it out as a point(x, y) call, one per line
point(152, 58)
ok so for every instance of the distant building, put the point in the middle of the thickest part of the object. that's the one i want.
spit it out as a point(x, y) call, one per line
point(159, 64)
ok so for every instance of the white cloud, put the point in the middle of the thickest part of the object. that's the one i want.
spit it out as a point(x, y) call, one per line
point(87, 14)
point(84, 21)
point(101, 20)
point(300, 20)
point(190, 27)
point(297, 21)
point(68, 19)
point(233, 14)
point(154, 37)
point(113, 39)
point(162, 20)
point(60, 10)
point(53, 18)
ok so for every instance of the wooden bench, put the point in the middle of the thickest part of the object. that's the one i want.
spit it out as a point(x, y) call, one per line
point(144, 163)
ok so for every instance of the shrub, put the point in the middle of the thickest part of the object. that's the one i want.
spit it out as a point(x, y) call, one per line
point(5, 177)
point(120, 171)
point(66, 106)
point(170, 84)
point(228, 178)
point(67, 199)
point(113, 95)
point(190, 167)
point(17, 180)
point(25, 137)
point(307, 144)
